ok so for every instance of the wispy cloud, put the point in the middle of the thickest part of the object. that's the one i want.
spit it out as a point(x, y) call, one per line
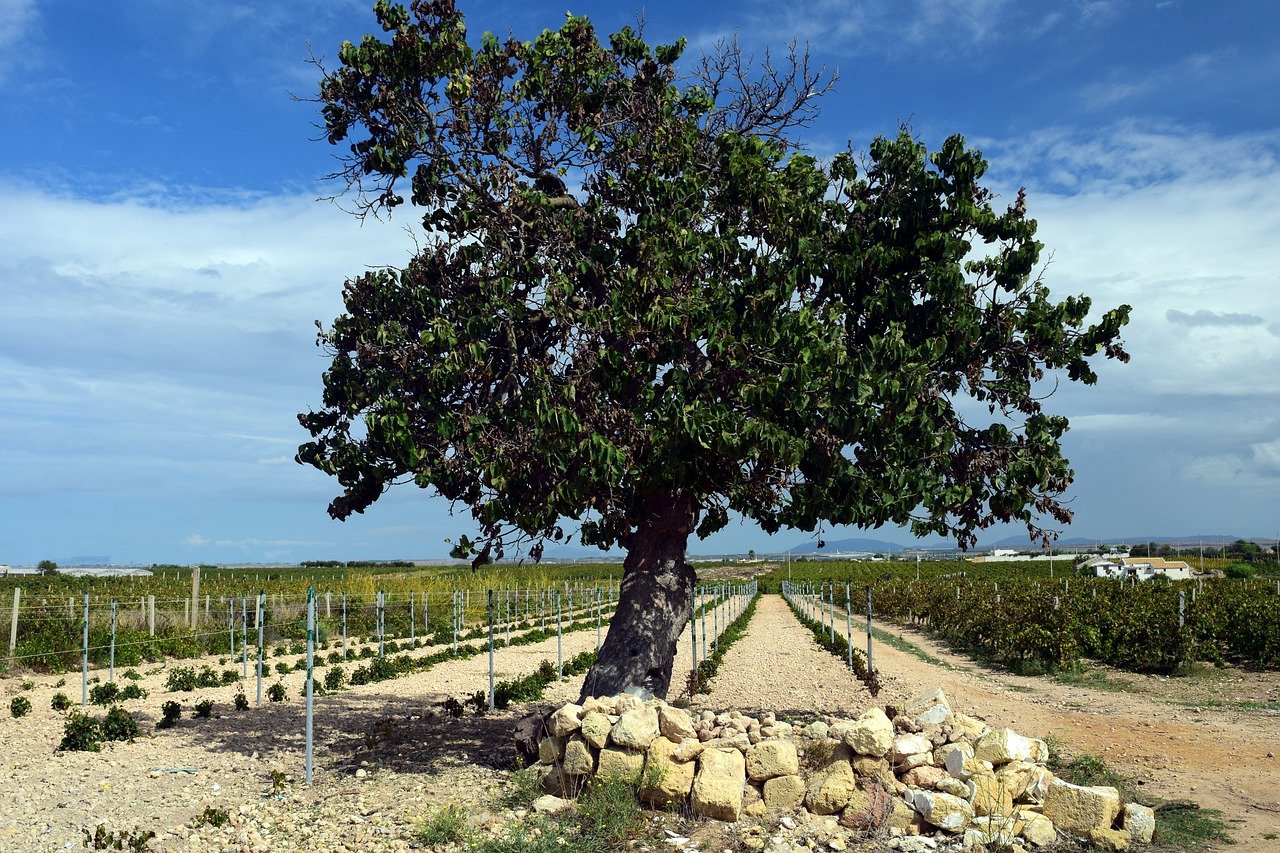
point(1203, 317)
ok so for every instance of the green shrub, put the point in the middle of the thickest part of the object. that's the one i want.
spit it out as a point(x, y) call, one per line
point(132, 691)
point(334, 678)
point(104, 694)
point(119, 724)
point(125, 839)
point(241, 702)
point(282, 668)
point(180, 678)
point(204, 709)
point(131, 674)
point(230, 676)
point(81, 733)
point(20, 706)
point(446, 825)
point(60, 702)
point(1240, 571)
point(277, 692)
point(211, 817)
point(170, 712)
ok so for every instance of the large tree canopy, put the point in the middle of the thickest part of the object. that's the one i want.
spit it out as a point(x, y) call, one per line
point(638, 307)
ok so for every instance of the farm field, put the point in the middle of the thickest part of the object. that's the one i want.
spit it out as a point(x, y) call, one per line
point(387, 754)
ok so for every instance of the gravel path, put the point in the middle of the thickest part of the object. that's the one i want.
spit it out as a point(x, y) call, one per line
point(777, 666)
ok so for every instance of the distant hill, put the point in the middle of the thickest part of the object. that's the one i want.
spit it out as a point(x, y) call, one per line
point(870, 546)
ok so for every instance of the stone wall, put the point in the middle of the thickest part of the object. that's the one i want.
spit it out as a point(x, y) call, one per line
point(917, 775)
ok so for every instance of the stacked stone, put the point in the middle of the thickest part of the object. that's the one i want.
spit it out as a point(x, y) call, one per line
point(927, 770)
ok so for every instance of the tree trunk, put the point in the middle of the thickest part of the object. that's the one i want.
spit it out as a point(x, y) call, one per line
point(653, 603)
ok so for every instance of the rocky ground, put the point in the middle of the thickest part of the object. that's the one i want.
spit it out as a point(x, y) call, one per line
point(386, 755)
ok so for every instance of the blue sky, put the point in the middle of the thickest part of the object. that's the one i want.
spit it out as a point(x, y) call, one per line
point(163, 255)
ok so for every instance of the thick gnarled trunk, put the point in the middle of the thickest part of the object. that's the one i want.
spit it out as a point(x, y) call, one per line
point(653, 604)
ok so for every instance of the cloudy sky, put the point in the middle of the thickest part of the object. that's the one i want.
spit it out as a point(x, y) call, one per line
point(163, 254)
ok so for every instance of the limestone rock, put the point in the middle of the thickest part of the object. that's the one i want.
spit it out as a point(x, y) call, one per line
point(954, 787)
point(956, 759)
point(817, 730)
point(1026, 782)
point(930, 708)
point(923, 777)
point(675, 723)
point(550, 750)
point(945, 811)
point(1079, 810)
point(871, 734)
point(830, 789)
point(756, 809)
point(620, 764)
point(690, 749)
point(903, 818)
point(771, 758)
point(566, 720)
point(783, 793)
point(549, 804)
point(600, 705)
point(717, 788)
point(968, 728)
point(1109, 840)
point(905, 746)
point(666, 780)
point(868, 809)
point(1000, 746)
point(1036, 828)
point(1139, 822)
point(578, 760)
point(595, 728)
point(990, 796)
point(636, 728)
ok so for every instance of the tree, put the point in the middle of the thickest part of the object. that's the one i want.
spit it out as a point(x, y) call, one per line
point(47, 567)
point(639, 307)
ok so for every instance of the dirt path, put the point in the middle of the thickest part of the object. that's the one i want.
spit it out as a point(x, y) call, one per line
point(777, 666)
point(1220, 757)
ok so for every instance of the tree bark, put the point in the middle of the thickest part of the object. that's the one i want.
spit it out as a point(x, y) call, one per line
point(653, 603)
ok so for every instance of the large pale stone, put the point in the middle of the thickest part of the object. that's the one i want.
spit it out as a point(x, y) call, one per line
point(1080, 810)
point(1036, 828)
point(1139, 822)
point(969, 728)
point(620, 764)
point(595, 728)
point(550, 804)
point(956, 758)
point(578, 760)
point(903, 818)
point(717, 789)
point(817, 730)
point(870, 734)
point(923, 777)
point(771, 758)
point(635, 729)
point(1027, 782)
point(784, 793)
point(1109, 840)
point(566, 720)
point(691, 749)
point(930, 708)
point(675, 723)
point(954, 787)
point(990, 796)
point(905, 746)
point(945, 811)
point(601, 705)
point(830, 789)
point(1000, 746)
point(666, 780)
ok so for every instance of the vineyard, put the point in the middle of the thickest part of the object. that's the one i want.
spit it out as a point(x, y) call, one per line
point(1027, 621)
